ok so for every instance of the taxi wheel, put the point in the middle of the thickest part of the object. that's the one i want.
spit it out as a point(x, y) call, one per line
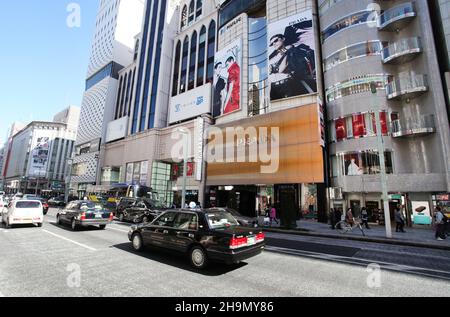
point(198, 257)
point(40, 225)
point(102, 227)
point(138, 243)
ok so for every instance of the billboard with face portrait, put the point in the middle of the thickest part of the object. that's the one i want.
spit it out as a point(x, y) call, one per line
point(292, 57)
point(227, 80)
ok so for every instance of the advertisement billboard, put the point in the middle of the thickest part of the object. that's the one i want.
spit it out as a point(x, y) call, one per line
point(282, 147)
point(190, 104)
point(292, 57)
point(227, 80)
point(40, 152)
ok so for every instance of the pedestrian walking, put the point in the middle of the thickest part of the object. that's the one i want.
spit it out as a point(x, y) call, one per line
point(349, 218)
point(440, 221)
point(365, 218)
point(273, 216)
point(400, 220)
point(338, 217)
point(333, 218)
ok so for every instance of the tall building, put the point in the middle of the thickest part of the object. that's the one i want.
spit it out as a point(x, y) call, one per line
point(36, 162)
point(391, 44)
point(139, 142)
point(15, 128)
point(440, 14)
point(118, 22)
point(267, 90)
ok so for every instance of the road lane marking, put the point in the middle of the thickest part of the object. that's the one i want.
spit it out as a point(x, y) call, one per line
point(68, 240)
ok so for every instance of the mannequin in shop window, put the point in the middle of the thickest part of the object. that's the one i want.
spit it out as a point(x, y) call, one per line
point(354, 169)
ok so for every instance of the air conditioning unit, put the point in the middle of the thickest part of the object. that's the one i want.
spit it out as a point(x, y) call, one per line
point(336, 193)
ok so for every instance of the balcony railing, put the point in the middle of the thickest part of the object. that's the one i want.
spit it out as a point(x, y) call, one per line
point(413, 127)
point(407, 87)
point(397, 18)
point(402, 51)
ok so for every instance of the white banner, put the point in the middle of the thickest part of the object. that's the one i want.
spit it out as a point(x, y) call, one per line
point(190, 104)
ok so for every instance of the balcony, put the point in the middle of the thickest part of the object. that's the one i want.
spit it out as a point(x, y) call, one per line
point(402, 51)
point(397, 18)
point(407, 87)
point(413, 127)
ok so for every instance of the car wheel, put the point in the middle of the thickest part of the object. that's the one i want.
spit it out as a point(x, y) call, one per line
point(198, 257)
point(40, 225)
point(74, 225)
point(102, 227)
point(138, 243)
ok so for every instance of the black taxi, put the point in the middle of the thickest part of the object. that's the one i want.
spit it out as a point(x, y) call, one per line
point(204, 235)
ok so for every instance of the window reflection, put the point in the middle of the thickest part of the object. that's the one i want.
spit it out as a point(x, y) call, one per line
point(257, 71)
point(351, 20)
point(362, 163)
point(352, 52)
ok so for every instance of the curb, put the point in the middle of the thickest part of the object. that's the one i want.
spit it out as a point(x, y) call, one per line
point(362, 239)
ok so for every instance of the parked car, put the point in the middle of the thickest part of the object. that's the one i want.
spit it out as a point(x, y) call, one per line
point(142, 210)
point(57, 201)
point(83, 214)
point(251, 222)
point(42, 200)
point(204, 235)
point(22, 212)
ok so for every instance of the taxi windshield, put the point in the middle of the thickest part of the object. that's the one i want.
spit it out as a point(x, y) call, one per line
point(90, 206)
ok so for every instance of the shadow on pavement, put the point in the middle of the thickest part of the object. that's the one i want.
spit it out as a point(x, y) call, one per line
point(79, 229)
point(178, 260)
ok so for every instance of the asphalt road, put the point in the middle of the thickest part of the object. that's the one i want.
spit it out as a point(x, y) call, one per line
point(54, 261)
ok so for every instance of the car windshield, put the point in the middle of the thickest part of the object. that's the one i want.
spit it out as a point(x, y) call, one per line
point(90, 206)
point(221, 220)
point(27, 204)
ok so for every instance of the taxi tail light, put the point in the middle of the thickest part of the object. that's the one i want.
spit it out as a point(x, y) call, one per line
point(111, 216)
point(260, 237)
point(83, 216)
point(236, 243)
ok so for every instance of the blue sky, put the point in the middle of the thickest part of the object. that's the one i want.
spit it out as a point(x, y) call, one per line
point(43, 61)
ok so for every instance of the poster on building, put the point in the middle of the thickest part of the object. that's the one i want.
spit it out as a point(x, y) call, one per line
point(144, 173)
point(227, 80)
point(39, 156)
point(129, 176)
point(136, 173)
point(292, 57)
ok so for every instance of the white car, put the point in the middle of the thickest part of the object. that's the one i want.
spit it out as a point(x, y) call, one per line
point(22, 212)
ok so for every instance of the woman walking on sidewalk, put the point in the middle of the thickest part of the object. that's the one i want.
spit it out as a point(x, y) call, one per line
point(273, 215)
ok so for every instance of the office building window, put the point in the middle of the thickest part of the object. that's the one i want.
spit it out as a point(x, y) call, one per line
point(191, 12)
point(258, 77)
point(184, 17)
point(201, 57)
point(176, 70)
point(211, 52)
point(199, 9)
point(184, 64)
point(193, 57)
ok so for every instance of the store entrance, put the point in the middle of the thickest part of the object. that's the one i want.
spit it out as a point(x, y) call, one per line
point(240, 198)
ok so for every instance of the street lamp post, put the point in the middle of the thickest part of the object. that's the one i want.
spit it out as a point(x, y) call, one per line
point(68, 181)
point(185, 158)
point(384, 188)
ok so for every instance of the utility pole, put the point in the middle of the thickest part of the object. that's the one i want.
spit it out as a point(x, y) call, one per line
point(384, 188)
point(185, 154)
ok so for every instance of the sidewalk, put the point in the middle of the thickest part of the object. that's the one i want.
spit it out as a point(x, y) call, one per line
point(416, 236)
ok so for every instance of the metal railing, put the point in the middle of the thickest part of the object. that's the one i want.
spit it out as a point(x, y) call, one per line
point(408, 127)
point(400, 48)
point(397, 13)
point(410, 83)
